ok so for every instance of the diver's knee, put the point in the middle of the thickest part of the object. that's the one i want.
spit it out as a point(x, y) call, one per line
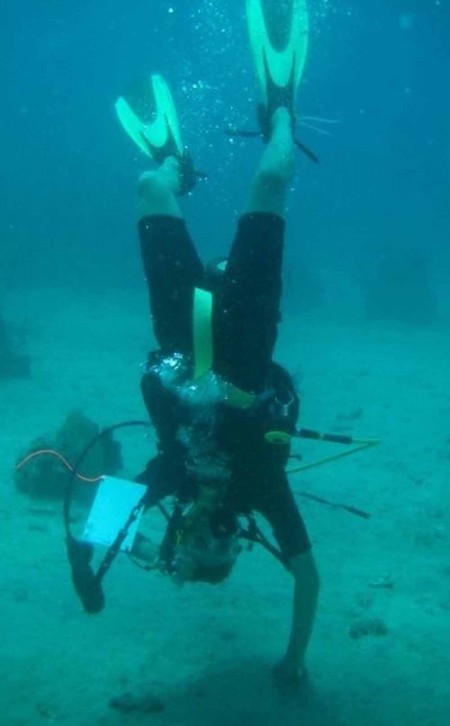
point(156, 194)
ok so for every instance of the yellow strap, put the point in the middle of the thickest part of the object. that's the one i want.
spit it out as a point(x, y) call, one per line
point(204, 348)
point(203, 339)
point(362, 444)
point(237, 398)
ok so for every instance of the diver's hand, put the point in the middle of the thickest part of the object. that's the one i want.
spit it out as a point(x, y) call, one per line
point(288, 675)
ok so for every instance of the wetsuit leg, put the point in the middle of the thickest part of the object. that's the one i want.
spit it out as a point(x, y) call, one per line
point(248, 302)
point(276, 503)
point(172, 269)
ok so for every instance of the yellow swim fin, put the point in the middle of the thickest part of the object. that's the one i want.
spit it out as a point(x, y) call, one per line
point(279, 42)
point(148, 115)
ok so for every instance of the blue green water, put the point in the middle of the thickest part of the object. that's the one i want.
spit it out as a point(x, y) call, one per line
point(67, 194)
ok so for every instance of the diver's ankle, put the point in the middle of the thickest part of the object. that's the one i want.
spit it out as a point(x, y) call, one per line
point(281, 120)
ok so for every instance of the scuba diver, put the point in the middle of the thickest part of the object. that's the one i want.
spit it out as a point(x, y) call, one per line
point(224, 412)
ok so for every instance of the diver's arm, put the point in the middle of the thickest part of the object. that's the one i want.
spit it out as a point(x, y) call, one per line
point(161, 476)
point(291, 667)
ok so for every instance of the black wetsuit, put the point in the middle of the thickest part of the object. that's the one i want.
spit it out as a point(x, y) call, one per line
point(245, 319)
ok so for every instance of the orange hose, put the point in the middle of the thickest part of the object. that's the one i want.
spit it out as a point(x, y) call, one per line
point(62, 459)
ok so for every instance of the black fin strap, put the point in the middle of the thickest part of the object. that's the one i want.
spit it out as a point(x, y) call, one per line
point(307, 151)
point(188, 173)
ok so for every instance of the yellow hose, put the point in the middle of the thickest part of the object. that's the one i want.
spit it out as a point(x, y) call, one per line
point(361, 445)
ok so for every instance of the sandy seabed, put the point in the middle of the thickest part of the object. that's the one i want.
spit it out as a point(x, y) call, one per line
point(381, 649)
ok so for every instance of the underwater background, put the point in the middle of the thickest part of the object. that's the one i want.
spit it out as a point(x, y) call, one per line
point(366, 333)
point(378, 69)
